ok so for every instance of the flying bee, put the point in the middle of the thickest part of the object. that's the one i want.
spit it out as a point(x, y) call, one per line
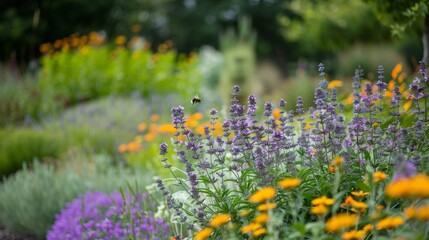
point(196, 99)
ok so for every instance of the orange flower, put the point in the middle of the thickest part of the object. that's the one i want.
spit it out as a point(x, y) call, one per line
point(396, 71)
point(262, 218)
point(416, 186)
point(252, 226)
point(266, 206)
point(122, 148)
point(379, 176)
point(259, 232)
point(322, 201)
point(167, 128)
point(353, 235)
point(141, 127)
point(348, 100)
point(410, 212)
point(120, 40)
point(203, 234)
point(289, 183)
point(348, 202)
point(45, 47)
point(276, 113)
point(337, 161)
point(360, 194)
point(319, 209)
point(307, 126)
point(335, 84)
point(341, 221)
point(220, 220)
point(263, 195)
point(154, 118)
point(331, 168)
point(149, 137)
point(368, 227)
point(407, 105)
point(390, 222)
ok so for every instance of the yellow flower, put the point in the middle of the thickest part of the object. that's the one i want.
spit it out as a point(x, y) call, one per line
point(263, 195)
point(396, 71)
point(319, 209)
point(368, 227)
point(220, 220)
point(410, 212)
point(337, 161)
point(167, 128)
point(341, 221)
point(423, 213)
point(360, 206)
point(259, 232)
point(390, 222)
point(262, 218)
point(289, 183)
point(203, 234)
point(335, 84)
point(307, 126)
point(379, 176)
point(408, 105)
point(360, 194)
point(322, 201)
point(416, 186)
point(252, 226)
point(353, 235)
point(379, 207)
point(266, 206)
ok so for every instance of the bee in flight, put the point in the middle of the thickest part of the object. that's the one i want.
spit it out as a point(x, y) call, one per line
point(196, 99)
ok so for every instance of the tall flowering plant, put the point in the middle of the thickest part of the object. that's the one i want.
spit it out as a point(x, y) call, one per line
point(303, 173)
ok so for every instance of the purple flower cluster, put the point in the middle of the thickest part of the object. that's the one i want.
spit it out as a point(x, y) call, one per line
point(252, 153)
point(98, 215)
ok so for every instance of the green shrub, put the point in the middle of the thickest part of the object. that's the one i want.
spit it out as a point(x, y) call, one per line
point(19, 100)
point(30, 199)
point(23, 145)
point(92, 72)
point(368, 56)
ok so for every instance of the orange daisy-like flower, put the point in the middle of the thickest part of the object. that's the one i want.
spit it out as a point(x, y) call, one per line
point(368, 227)
point(360, 194)
point(276, 113)
point(337, 161)
point(319, 209)
point(203, 234)
point(323, 201)
point(289, 183)
point(259, 232)
point(379, 176)
point(262, 218)
point(335, 84)
point(249, 228)
point(266, 206)
point(263, 195)
point(413, 187)
point(220, 220)
point(390, 222)
point(353, 235)
point(341, 221)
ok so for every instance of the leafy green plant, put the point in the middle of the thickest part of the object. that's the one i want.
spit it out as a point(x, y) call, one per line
point(72, 76)
point(22, 145)
point(19, 100)
point(30, 199)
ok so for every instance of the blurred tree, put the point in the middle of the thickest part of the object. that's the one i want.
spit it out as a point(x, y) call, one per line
point(327, 27)
point(405, 15)
point(25, 24)
point(193, 23)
